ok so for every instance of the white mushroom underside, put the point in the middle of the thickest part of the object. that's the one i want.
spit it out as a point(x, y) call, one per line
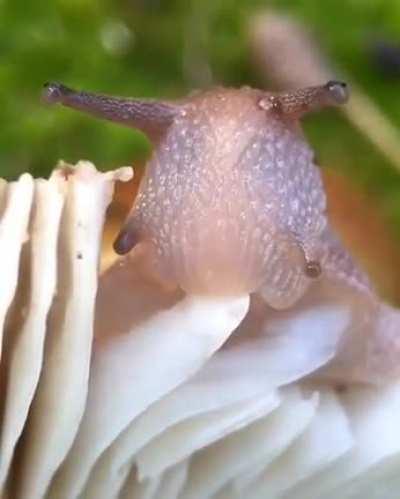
point(156, 409)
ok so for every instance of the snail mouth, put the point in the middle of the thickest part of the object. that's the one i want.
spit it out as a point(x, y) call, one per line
point(228, 263)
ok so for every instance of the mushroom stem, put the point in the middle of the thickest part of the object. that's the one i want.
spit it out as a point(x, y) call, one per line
point(149, 116)
point(299, 102)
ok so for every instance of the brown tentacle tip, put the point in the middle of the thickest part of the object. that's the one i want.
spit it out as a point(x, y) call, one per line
point(338, 90)
point(54, 92)
point(313, 269)
point(125, 241)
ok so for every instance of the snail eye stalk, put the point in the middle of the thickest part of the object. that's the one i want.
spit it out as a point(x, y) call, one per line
point(299, 102)
point(150, 116)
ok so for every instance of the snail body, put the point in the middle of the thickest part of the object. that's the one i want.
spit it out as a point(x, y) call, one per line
point(231, 200)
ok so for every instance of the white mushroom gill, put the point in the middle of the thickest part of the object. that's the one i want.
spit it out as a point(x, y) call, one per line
point(124, 388)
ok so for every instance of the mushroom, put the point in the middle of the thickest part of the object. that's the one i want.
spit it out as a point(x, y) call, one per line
point(234, 350)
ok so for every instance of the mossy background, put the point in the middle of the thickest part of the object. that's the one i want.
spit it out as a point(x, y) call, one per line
point(154, 48)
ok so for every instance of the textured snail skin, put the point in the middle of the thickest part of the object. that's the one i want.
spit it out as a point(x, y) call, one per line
point(231, 200)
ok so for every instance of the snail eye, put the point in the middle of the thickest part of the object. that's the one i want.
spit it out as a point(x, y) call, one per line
point(338, 90)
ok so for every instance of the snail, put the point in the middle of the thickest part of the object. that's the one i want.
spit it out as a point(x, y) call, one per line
point(231, 201)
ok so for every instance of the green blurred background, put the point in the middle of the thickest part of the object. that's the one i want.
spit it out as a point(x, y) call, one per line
point(155, 48)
